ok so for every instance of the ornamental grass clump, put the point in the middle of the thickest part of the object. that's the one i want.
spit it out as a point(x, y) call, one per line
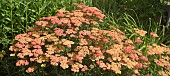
point(72, 41)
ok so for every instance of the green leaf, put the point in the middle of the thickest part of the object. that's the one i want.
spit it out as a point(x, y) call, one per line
point(7, 28)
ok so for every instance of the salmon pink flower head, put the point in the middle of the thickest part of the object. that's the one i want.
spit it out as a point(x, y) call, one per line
point(60, 15)
point(95, 11)
point(65, 20)
point(41, 23)
point(19, 45)
point(20, 55)
point(20, 36)
point(134, 57)
point(147, 75)
point(144, 58)
point(105, 40)
point(70, 31)
point(159, 62)
point(77, 13)
point(67, 42)
point(140, 32)
point(168, 67)
point(69, 24)
point(59, 32)
point(56, 21)
point(30, 69)
point(163, 73)
point(129, 49)
point(75, 68)
point(127, 42)
point(64, 65)
point(153, 34)
point(138, 40)
point(79, 58)
point(139, 65)
point(22, 62)
point(62, 10)
point(84, 68)
point(156, 49)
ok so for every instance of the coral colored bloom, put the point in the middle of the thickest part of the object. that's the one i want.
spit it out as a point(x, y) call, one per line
point(32, 59)
point(84, 68)
point(39, 23)
point(30, 69)
point(60, 15)
point(105, 40)
point(153, 34)
point(59, 32)
point(61, 10)
point(168, 68)
point(138, 40)
point(140, 32)
point(144, 58)
point(69, 25)
point(67, 42)
point(139, 65)
point(147, 75)
point(20, 55)
point(159, 63)
point(64, 65)
point(26, 62)
point(128, 49)
point(75, 68)
point(22, 62)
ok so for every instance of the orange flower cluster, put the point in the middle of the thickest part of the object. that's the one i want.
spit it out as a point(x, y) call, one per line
point(157, 49)
point(163, 60)
point(62, 40)
point(163, 73)
point(86, 15)
point(45, 42)
point(140, 32)
point(153, 34)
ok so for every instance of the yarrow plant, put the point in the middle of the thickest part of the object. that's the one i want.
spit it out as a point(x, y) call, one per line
point(71, 40)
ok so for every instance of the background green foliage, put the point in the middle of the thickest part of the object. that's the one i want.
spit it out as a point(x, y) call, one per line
point(149, 15)
point(143, 9)
point(16, 16)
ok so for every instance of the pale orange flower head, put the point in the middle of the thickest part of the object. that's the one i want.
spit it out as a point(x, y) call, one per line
point(30, 69)
point(140, 32)
point(138, 40)
point(153, 34)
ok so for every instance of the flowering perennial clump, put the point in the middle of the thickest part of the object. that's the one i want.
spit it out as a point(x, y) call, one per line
point(64, 40)
point(164, 60)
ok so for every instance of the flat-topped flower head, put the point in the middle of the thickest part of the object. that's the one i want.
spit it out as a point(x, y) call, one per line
point(140, 32)
point(153, 34)
point(30, 69)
